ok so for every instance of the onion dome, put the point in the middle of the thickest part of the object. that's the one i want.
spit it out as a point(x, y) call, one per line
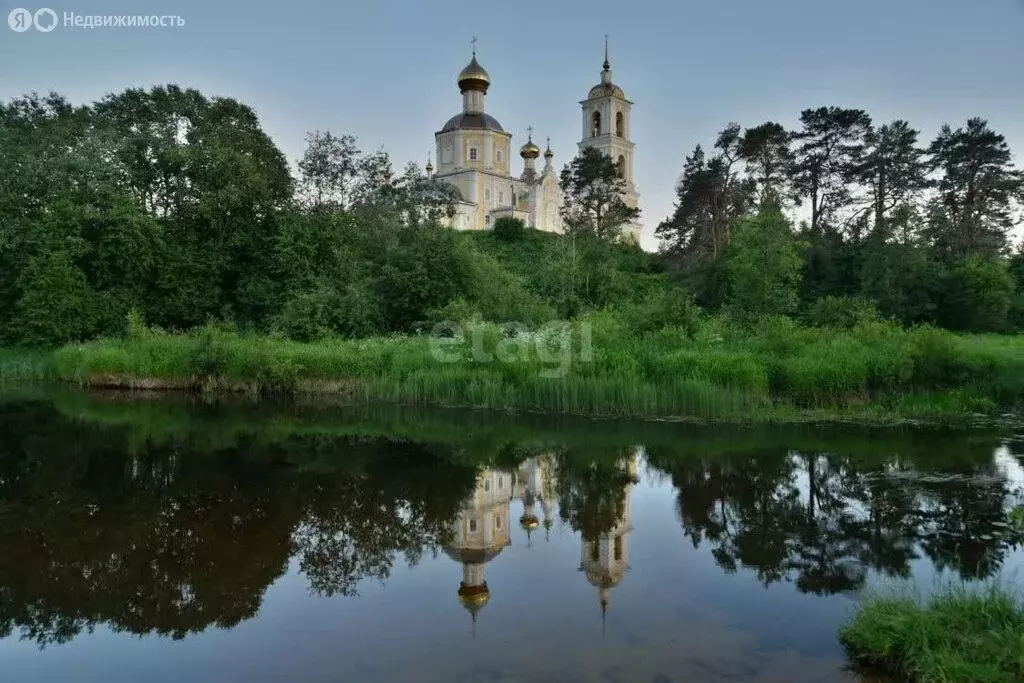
point(548, 154)
point(474, 77)
point(474, 598)
point(530, 150)
point(529, 522)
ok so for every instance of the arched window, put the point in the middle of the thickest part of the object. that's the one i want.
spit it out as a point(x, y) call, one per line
point(622, 166)
point(620, 124)
point(595, 126)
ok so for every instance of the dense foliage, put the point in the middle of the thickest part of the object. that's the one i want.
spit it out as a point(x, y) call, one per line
point(923, 233)
point(176, 209)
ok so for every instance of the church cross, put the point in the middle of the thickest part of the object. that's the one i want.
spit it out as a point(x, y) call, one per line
point(473, 43)
point(529, 130)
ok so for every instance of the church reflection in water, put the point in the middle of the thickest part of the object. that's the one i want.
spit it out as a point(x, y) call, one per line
point(480, 531)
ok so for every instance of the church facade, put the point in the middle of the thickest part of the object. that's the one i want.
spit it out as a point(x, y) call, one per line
point(474, 154)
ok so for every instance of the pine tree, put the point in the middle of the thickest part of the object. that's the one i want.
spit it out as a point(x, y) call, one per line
point(592, 197)
point(979, 191)
point(830, 150)
point(894, 173)
point(765, 149)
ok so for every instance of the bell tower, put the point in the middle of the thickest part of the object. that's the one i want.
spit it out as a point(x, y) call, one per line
point(606, 127)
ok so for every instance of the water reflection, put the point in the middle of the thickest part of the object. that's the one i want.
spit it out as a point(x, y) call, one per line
point(593, 499)
point(173, 520)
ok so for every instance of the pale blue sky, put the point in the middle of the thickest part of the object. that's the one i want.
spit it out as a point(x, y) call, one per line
point(385, 71)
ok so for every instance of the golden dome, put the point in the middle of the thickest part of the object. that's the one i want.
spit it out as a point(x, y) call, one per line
point(529, 150)
point(474, 77)
point(529, 522)
point(474, 598)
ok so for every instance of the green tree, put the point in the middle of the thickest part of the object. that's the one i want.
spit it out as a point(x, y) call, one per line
point(593, 197)
point(829, 152)
point(977, 295)
point(978, 191)
point(205, 169)
point(420, 272)
point(765, 150)
point(894, 173)
point(55, 304)
point(902, 279)
point(1017, 307)
point(328, 169)
point(765, 262)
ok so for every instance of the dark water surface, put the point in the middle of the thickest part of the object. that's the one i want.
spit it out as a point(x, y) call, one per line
point(163, 539)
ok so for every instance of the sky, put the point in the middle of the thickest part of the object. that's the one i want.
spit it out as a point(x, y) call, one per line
point(384, 70)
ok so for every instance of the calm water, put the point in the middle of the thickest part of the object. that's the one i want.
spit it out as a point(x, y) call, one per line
point(167, 540)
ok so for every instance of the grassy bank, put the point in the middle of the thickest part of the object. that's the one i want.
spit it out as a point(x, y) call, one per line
point(600, 365)
point(963, 636)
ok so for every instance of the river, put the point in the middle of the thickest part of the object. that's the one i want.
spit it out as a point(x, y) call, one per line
point(165, 538)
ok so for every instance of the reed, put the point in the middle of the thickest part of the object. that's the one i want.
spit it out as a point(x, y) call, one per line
point(595, 366)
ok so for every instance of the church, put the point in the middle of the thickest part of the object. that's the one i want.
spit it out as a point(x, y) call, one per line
point(474, 154)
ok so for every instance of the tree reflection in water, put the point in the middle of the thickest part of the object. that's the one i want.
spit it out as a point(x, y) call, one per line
point(173, 534)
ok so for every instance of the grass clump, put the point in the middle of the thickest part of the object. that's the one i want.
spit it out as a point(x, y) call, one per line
point(961, 635)
point(602, 363)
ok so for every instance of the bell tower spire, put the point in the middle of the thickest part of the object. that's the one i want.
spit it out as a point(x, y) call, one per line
point(606, 127)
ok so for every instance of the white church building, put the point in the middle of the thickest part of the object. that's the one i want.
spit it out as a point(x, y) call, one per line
point(474, 154)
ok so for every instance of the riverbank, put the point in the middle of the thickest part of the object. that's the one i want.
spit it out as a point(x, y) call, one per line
point(773, 371)
point(971, 637)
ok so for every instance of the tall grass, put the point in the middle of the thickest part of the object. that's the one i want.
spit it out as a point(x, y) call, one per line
point(19, 365)
point(599, 366)
point(959, 635)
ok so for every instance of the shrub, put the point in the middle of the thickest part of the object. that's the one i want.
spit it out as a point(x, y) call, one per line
point(665, 307)
point(509, 229)
point(841, 312)
point(324, 310)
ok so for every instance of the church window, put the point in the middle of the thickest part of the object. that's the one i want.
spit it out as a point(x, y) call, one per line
point(487, 485)
point(595, 552)
point(472, 525)
point(501, 482)
point(501, 197)
point(618, 548)
point(487, 193)
point(472, 153)
point(620, 124)
point(497, 154)
point(447, 157)
point(622, 166)
point(497, 522)
point(595, 124)
point(487, 219)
